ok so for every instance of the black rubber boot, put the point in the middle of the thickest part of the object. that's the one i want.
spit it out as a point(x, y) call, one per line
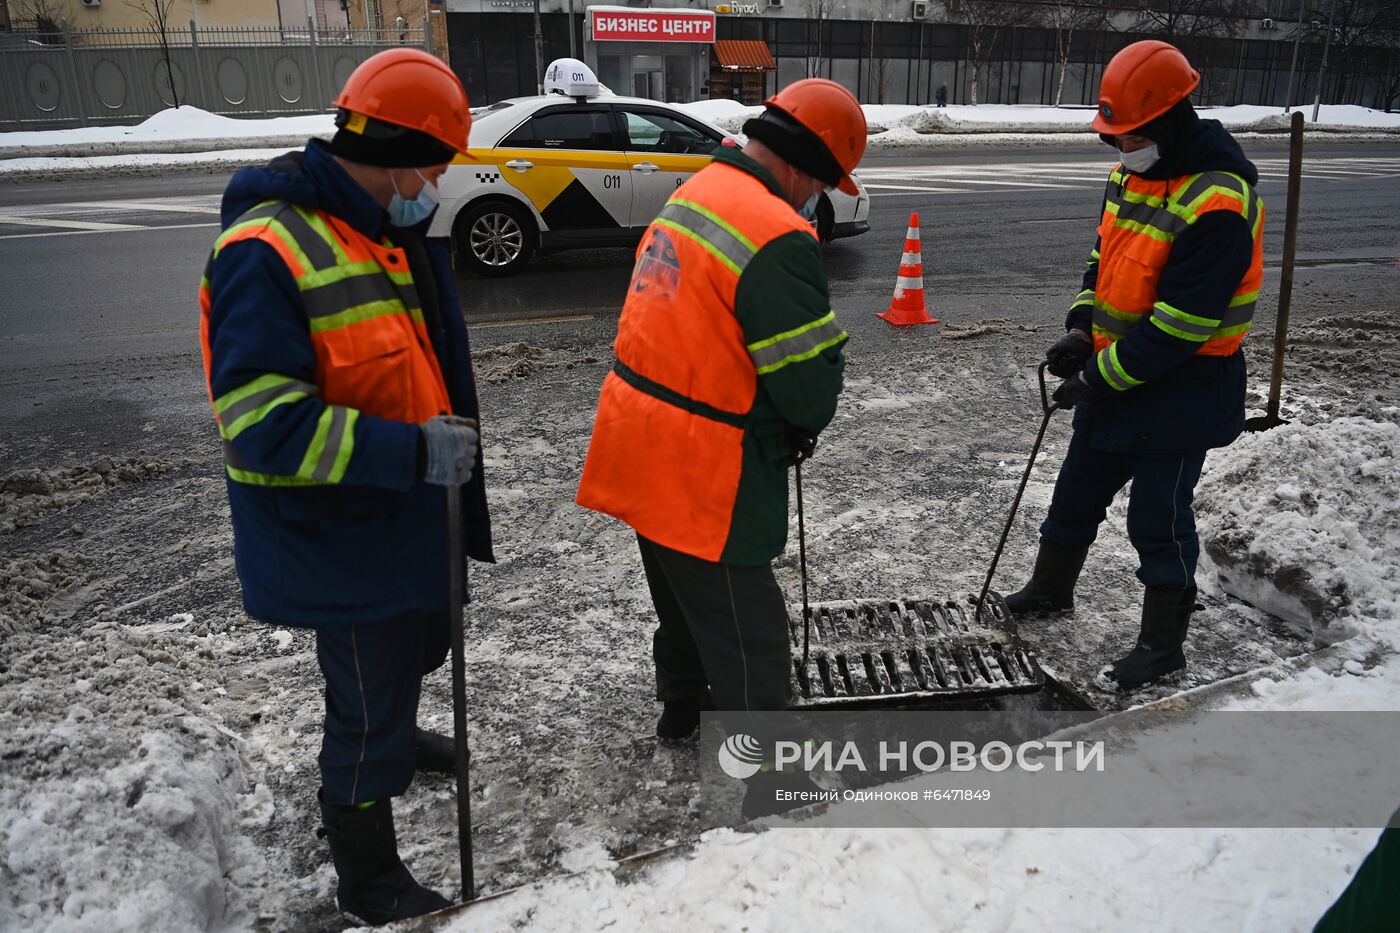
point(1051, 587)
point(680, 718)
point(435, 754)
point(1165, 617)
point(374, 885)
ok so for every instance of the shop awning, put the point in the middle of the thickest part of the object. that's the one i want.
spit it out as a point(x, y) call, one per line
point(744, 55)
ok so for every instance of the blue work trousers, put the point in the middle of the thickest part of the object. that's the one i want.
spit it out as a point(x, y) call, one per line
point(374, 674)
point(1161, 524)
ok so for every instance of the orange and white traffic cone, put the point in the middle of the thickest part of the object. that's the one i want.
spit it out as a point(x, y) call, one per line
point(907, 306)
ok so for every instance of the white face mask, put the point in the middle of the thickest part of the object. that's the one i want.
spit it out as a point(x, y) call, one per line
point(1141, 160)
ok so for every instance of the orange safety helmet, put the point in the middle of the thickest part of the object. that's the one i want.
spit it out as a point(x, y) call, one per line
point(1142, 82)
point(832, 114)
point(410, 88)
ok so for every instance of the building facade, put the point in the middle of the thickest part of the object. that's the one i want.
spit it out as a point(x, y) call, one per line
point(885, 51)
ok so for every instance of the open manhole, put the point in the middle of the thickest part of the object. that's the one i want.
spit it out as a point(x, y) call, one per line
point(900, 652)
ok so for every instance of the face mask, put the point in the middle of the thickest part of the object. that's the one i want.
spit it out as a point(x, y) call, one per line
point(406, 213)
point(808, 211)
point(1142, 159)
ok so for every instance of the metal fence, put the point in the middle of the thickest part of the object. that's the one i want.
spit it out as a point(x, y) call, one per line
point(51, 80)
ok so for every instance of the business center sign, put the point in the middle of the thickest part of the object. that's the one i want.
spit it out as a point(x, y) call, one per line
point(621, 24)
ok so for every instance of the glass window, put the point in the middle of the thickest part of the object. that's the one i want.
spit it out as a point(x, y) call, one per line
point(565, 128)
point(650, 131)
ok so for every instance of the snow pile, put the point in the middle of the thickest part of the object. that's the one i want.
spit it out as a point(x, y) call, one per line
point(1304, 521)
point(27, 494)
point(118, 797)
point(168, 128)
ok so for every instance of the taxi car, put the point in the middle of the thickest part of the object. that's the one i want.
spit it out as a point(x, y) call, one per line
point(581, 167)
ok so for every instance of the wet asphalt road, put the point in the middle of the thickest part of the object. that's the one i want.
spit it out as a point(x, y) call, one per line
point(993, 248)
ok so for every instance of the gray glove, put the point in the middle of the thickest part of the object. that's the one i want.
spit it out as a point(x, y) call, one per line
point(449, 450)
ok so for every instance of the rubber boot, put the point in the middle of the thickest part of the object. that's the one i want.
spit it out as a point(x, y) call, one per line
point(1051, 587)
point(680, 718)
point(434, 753)
point(1165, 617)
point(374, 885)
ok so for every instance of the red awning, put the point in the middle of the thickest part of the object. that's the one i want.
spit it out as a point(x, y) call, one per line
point(744, 55)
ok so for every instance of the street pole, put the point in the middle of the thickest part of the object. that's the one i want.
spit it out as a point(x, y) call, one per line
point(1322, 71)
point(1293, 65)
point(539, 52)
point(573, 52)
point(1270, 418)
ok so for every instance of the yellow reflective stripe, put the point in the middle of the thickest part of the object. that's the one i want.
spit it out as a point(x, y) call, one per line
point(1194, 207)
point(715, 251)
point(274, 227)
point(717, 221)
point(1118, 378)
point(1244, 298)
point(796, 345)
point(265, 381)
point(1085, 297)
point(239, 417)
point(1144, 229)
point(363, 312)
point(336, 273)
point(789, 334)
point(318, 224)
point(328, 454)
point(1110, 311)
point(1186, 317)
point(1232, 331)
point(799, 357)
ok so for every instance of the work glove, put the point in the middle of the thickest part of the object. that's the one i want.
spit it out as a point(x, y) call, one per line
point(1072, 391)
point(449, 450)
point(803, 445)
point(1068, 355)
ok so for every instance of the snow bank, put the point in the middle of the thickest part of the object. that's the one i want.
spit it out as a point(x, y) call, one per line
point(168, 128)
point(972, 881)
point(1303, 521)
point(121, 803)
point(189, 129)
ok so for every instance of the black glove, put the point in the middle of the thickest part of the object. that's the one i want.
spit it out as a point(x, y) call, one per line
point(802, 447)
point(1073, 391)
point(1068, 355)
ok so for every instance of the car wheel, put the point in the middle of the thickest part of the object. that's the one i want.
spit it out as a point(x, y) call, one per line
point(495, 238)
point(826, 219)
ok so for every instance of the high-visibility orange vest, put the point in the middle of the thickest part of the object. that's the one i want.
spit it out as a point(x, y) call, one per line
point(1141, 220)
point(667, 449)
point(366, 324)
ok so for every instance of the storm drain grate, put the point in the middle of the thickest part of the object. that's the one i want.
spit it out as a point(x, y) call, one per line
point(903, 650)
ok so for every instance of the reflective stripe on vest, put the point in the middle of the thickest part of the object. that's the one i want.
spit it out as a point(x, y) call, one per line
point(362, 311)
point(1141, 221)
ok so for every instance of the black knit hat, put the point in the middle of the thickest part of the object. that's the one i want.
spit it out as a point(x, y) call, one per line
point(796, 145)
point(373, 142)
point(1170, 130)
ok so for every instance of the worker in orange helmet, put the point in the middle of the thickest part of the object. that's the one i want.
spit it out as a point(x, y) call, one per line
point(1152, 357)
point(339, 370)
point(728, 366)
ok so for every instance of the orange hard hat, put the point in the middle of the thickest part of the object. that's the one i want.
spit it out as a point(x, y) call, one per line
point(410, 88)
point(832, 114)
point(1142, 82)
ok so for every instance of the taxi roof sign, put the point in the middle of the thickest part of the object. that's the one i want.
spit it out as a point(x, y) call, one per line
point(570, 77)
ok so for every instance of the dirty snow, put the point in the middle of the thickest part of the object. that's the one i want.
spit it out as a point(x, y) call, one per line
point(149, 733)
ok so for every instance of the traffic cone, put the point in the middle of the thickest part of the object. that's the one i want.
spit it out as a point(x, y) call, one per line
point(907, 305)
